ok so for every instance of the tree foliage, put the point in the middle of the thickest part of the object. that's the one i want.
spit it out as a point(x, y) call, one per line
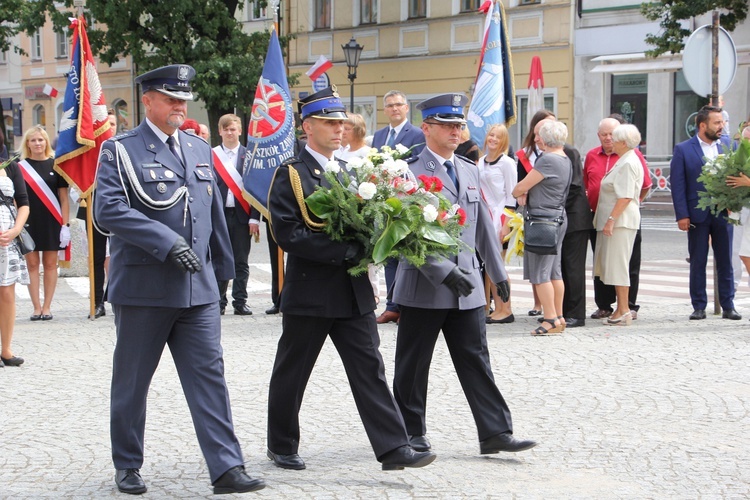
point(671, 12)
point(202, 33)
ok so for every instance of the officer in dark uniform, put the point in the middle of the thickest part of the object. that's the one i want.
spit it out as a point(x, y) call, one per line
point(447, 294)
point(320, 299)
point(157, 197)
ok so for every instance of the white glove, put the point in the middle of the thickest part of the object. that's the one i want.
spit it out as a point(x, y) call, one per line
point(64, 236)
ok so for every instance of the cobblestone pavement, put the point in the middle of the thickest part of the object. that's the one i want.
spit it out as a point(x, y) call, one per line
point(656, 410)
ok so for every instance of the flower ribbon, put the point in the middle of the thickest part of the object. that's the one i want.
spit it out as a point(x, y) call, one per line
point(515, 237)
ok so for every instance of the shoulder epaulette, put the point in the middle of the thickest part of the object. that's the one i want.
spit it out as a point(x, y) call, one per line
point(291, 161)
point(124, 134)
point(469, 160)
point(411, 159)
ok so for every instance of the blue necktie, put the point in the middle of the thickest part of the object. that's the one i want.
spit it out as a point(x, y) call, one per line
point(451, 172)
point(173, 148)
point(391, 139)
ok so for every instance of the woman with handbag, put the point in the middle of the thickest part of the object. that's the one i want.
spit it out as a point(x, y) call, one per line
point(617, 219)
point(497, 176)
point(48, 218)
point(543, 192)
point(12, 264)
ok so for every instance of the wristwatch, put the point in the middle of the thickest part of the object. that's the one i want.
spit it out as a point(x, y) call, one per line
point(611, 218)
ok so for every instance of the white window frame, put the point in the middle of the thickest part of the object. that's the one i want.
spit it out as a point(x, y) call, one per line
point(516, 138)
point(37, 113)
point(61, 42)
point(36, 46)
point(250, 12)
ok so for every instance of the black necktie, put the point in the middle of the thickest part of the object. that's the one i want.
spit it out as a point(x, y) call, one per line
point(451, 172)
point(173, 148)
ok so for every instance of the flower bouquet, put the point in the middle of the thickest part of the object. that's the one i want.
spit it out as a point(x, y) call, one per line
point(718, 196)
point(380, 205)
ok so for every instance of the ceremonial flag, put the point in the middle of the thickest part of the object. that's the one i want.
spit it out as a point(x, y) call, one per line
point(536, 89)
point(321, 66)
point(494, 97)
point(270, 132)
point(84, 125)
point(49, 90)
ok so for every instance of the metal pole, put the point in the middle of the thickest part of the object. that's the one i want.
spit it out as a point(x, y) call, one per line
point(351, 94)
point(715, 60)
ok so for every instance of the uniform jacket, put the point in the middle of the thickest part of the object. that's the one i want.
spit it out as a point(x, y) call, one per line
point(685, 167)
point(409, 136)
point(316, 282)
point(140, 271)
point(239, 212)
point(422, 287)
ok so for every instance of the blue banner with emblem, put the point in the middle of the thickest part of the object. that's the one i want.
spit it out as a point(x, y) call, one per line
point(494, 98)
point(270, 131)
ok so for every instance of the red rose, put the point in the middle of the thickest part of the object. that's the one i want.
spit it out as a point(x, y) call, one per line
point(461, 216)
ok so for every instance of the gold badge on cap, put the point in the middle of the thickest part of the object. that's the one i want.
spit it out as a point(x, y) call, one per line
point(333, 89)
point(456, 99)
point(161, 187)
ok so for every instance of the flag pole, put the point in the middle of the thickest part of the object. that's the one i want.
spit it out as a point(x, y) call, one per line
point(90, 242)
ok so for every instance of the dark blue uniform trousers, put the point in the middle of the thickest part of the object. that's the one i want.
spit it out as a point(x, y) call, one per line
point(193, 335)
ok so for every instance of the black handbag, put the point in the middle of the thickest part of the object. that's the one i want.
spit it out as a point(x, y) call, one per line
point(541, 233)
point(23, 241)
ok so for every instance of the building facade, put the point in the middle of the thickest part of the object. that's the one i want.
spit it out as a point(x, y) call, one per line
point(612, 75)
point(426, 47)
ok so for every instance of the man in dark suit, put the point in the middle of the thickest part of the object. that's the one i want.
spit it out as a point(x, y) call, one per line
point(447, 294)
point(242, 225)
point(398, 131)
point(321, 299)
point(700, 224)
point(157, 197)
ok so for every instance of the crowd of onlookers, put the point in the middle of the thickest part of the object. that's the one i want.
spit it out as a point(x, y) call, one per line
point(600, 194)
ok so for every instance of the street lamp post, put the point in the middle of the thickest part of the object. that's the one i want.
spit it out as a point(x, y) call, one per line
point(352, 51)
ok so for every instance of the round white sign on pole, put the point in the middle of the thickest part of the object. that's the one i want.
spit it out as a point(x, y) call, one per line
point(697, 60)
point(321, 83)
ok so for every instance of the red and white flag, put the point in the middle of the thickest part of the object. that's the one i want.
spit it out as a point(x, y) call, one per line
point(321, 66)
point(50, 90)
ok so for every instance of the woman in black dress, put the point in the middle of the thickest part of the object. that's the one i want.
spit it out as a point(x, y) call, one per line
point(44, 224)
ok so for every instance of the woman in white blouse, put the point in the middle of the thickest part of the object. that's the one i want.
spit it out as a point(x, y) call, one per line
point(498, 177)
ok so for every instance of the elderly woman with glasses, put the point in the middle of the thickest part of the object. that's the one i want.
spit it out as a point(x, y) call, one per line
point(617, 219)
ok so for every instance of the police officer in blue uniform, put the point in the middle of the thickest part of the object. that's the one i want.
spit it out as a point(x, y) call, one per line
point(447, 294)
point(169, 243)
point(320, 299)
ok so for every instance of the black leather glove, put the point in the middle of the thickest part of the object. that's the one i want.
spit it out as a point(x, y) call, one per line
point(458, 281)
point(354, 253)
point(503, 290)
point(184, 257)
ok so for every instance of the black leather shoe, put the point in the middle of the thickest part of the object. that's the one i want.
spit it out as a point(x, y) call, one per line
point(507, 319)
point(698, 314)
point(236, 480)
point(273, 310)
point(243, 310)
point(504, 442)
point(731, 314)
point(601, 314)
point(130, 481)
point(99, 311)
point(420, 443)
point(574, 322)
point(405, 456)
point(14, 361)
point(292, 461)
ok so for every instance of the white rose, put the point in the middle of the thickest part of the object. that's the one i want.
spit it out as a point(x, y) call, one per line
point(367, 190)
point(401, 167)
point(401, 148)
point(429, 213)
point(390, 166)
point(333, 166)
point(355, 162)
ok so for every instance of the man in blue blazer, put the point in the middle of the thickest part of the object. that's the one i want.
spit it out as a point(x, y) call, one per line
point(700, 224)
point(398, 131)
point(157, 197)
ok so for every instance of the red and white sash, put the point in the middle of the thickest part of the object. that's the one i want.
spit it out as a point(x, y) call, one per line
point(42, 190)
point(231, 177)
